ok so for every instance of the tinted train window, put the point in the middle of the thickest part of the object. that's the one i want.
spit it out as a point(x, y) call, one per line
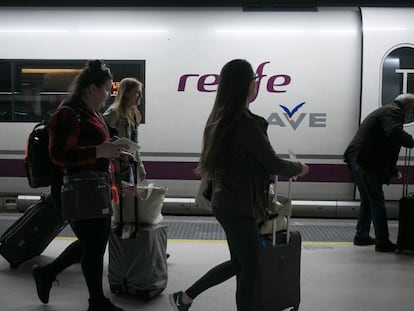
point(397, 73)
point(30, 90)
point(5, 90)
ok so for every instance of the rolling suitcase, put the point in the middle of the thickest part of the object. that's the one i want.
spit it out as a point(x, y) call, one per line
point(31, 233)
point(138, 264)
point(137, 257)
point(405, 240)
point(281, 254)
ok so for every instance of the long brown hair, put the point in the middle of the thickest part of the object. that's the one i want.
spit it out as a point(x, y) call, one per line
point(231, 99)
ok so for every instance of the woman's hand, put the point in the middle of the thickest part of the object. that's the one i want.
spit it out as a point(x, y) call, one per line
point(142, 174)
point(127, 157)
point(304, 171)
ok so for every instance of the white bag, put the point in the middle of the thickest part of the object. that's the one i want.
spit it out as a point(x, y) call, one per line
point(282, 207)
point(149, 203)
point(200, 200)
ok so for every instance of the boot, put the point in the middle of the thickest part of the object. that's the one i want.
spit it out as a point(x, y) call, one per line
point(44, 281)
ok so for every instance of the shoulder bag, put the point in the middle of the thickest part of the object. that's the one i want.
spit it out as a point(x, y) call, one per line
point(86, 194)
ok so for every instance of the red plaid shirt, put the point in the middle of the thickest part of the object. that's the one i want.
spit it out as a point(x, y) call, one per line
point(74, 135)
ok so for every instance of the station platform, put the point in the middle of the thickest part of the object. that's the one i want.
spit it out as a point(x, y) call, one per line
point(335, 275)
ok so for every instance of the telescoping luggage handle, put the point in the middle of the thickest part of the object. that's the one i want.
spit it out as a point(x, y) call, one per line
point(117, 193)
point(407, 160)
point(289, 196)
point(292, 156)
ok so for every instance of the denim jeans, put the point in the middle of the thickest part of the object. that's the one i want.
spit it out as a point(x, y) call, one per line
point(372, 204)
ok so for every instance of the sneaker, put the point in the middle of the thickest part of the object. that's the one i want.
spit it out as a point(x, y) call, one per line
point(103, 305)
point(176, 301)
point(43, 282)
point(363, 241)
point(386, 247)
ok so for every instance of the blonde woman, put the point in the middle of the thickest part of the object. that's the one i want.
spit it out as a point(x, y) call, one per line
point(124, 116)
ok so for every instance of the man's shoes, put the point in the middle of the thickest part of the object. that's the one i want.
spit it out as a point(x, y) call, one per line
point(176, 301)
point(364, 241)
point(386, 247)
point(103, 305)
point(43, 281)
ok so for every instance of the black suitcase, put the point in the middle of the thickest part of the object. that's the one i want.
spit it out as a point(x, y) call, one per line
point(280, 271)
point(31, 233)
point(405, 240)
point(280, 278)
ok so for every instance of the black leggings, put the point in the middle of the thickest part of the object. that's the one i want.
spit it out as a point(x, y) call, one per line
point(93, 236)
point(89, 249)
point(244, 244)
point(73, 253)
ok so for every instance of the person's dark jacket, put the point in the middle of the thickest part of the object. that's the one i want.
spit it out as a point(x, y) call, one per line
point(377, 143)
point(241, 184)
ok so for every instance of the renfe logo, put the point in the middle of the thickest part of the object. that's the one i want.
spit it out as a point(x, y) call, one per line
point(275, 84)
point(209, 82)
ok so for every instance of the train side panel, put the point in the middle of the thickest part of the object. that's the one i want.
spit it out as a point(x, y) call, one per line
point(309, 67)
point(388, 66)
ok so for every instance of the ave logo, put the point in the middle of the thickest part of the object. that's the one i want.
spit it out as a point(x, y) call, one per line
point(272, 83)
point(293, 118)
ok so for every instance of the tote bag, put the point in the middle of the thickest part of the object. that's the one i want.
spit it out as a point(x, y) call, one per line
point(150, 201)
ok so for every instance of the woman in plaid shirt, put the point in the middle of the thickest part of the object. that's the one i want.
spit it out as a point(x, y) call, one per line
point(79, 140)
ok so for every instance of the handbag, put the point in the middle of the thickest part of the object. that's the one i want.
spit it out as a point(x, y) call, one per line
point(85, 195)
point(277, 211)
point(204, 194)
point(149, 203)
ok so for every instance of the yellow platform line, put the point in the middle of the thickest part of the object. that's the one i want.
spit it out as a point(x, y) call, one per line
point(307, 243)
point(323, 243)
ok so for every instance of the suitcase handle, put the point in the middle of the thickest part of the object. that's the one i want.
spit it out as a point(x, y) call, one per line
point(407, 161)
point(287, 217)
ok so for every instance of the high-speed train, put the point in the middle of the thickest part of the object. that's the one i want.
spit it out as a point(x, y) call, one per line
point(320, 73)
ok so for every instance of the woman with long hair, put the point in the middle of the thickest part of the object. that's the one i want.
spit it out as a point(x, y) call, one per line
point(124, 116)
point(237, 158)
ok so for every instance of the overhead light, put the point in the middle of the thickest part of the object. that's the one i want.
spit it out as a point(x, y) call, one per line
point(259, 31)
point(385, 28)
point(124, 31)
point(33, 31)
point(50, 70)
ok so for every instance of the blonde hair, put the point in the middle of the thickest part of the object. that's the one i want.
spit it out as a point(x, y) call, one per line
point(131, 114)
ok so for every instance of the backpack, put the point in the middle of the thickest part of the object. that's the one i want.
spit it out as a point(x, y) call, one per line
point(37, 163)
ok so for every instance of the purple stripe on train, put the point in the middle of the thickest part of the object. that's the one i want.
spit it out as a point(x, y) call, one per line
point(185, 171)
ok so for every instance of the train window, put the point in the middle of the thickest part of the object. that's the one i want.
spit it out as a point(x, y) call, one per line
point(5, 90)
point(397, 73)
point(30, 90)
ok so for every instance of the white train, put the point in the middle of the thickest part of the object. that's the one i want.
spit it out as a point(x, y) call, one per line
point(320, 74)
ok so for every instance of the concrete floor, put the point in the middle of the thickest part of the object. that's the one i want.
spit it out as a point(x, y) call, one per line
point(335, 277)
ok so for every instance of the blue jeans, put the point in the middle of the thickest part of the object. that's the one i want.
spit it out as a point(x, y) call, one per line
point(372, 204)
